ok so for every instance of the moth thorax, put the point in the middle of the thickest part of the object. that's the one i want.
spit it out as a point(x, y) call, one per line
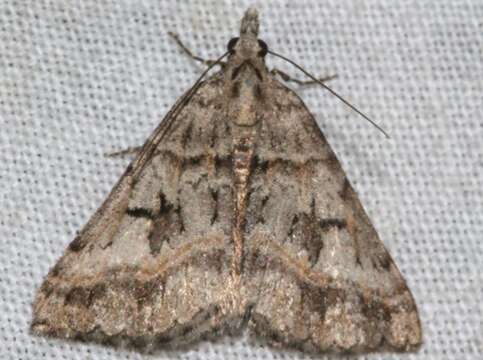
point(244, 110)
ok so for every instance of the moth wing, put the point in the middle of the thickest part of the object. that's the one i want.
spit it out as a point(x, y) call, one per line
point(325, 280)
point(151, 264)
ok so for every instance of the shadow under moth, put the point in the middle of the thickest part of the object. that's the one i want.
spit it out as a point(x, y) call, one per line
point(234, 214)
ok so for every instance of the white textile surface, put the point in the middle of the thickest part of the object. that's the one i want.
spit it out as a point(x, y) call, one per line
point(82, 78)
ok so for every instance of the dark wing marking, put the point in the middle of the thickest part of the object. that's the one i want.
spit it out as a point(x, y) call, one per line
point(151, 265)
point(325, 280)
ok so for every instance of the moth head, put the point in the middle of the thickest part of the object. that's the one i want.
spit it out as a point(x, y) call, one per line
point(247, 45)
point(249, 23)
point(261, 47)
point(247, 52)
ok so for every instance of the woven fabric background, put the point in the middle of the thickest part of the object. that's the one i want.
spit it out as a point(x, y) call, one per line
point(81, 78)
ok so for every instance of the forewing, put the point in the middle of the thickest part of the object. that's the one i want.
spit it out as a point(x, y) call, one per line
point(325, 280)
point(151, 265)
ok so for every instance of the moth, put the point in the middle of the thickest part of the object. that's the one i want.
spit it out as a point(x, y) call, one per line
point(235, 214)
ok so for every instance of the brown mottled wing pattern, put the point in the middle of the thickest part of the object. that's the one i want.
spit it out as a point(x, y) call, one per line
point(324, 279)
point(240, 213)
point(152, 263)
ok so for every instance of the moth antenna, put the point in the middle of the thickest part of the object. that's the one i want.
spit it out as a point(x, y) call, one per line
point(329, 89)
point(165, 125)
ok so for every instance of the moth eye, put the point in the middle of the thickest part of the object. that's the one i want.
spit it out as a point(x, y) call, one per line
point(263, 48)
point(231, 44)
